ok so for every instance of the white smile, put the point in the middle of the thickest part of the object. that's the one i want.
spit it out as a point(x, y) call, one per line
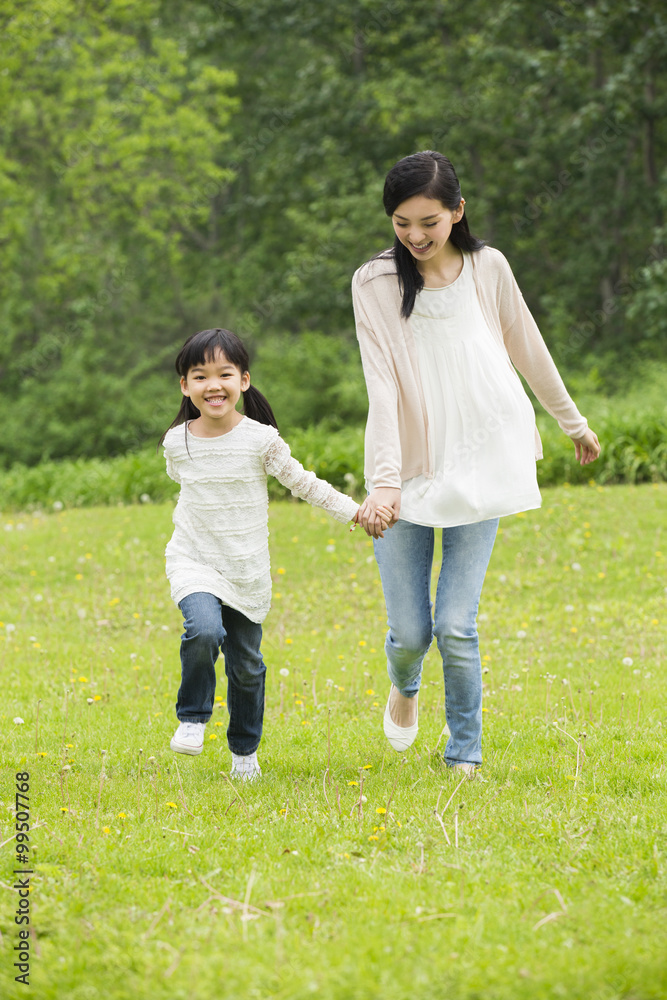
point(422, 246)
point(216, 400)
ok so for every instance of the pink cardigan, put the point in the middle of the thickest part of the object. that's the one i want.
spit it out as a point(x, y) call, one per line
point(397, 431)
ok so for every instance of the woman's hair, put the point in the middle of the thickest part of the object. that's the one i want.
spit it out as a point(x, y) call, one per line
point(201, 348)
point(430, 174)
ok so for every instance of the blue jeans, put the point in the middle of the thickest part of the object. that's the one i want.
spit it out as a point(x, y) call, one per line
point(405, 557)
point(211, 626)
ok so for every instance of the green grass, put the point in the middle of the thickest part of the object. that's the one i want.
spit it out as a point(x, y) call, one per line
point(155, 878)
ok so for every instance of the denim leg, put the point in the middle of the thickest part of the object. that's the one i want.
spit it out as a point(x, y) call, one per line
point(200, 647)
point(246, 672)
point(405, 557)
point(466, 550)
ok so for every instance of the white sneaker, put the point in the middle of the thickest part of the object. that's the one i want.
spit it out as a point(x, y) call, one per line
point(189, 738)
point(245, 768)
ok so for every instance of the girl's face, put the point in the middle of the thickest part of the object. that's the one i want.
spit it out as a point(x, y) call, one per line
point(424, 225)
point(215, 388)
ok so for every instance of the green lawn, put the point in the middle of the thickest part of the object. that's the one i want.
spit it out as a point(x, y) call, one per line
point(347, 871)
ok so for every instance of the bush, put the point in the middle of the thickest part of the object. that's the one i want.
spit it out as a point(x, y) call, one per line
point(634, 450)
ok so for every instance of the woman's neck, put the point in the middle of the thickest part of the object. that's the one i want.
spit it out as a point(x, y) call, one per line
point(443, 269)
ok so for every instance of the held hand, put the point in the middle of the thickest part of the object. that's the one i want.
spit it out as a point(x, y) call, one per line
point(379, 510)
point(587, 447)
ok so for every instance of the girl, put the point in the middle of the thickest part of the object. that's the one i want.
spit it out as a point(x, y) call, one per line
point(451, 440)
point(218, 556)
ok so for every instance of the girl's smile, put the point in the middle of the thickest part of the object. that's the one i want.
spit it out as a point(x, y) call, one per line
point(215, 387)
point(424, 226)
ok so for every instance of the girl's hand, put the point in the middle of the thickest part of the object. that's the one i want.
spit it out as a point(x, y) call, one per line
point(587, 447)
point(382, 505)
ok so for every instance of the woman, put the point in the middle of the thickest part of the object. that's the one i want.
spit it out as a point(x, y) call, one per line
point(451, 440)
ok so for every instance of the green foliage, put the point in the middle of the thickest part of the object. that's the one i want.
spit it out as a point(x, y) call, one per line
point(155, 183)
point(633, 438)
point(153, 878)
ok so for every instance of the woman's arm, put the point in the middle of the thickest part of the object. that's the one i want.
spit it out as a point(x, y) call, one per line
point(530, 355)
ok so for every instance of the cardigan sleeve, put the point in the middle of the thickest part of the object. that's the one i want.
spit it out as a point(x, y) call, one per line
point(383, 448)
point(530, 356)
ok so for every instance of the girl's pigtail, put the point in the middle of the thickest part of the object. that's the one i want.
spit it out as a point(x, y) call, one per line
point(187, 411)
point(257, 407)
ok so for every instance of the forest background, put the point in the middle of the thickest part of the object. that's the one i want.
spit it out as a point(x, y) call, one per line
point(166, 167)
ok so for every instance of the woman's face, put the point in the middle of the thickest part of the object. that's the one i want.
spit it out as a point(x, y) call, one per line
point(424, 225)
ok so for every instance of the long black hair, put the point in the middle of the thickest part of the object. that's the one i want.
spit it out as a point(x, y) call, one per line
point(201, 348)
point(432, 175)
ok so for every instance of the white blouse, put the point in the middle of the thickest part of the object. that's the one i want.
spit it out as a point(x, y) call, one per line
point(482, 422)
point(220, 543)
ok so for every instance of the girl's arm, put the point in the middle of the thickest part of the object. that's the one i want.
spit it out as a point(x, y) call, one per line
point(278, 462)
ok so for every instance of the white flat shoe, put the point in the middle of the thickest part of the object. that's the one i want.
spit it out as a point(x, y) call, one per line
point(400, 737)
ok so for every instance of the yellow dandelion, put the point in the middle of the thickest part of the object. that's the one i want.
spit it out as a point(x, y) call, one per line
point(281, 571)
point(654, 621)
point(574, 629)
point(362, 642)
point(376, 704)
point(122, 816)
point(69, 746)
point(353, 576)
point(366, 767)
point(156, 714)
point(288, 641)
point(353, 783)
point(370, 691)
point(64, 809)
point(89, 555)
point(171, 805)
point(340, 656)
point(337, 626)
point(601, 576)
point(135, 614)
point(373, 836)
point(97, 697)
point(340, 688)
point(485, 710)
point(42, 753)
point(83, 680)
point(298, 702)
point(36, 645)
point(219, 723)
point(33, 572)
point(79, 576)
point(106, 829)
point(380, 810)
point(212, 736)
point(305, 722)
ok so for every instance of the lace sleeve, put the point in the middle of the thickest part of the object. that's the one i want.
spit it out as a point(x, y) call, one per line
point(171, 467)
point(278, 462)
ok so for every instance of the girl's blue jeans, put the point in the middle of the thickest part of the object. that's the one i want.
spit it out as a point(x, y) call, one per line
point(211, 626)
point(405, 557)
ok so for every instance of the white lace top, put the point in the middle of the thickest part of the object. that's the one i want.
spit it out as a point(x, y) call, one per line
point(220, 543)
point(482, 422)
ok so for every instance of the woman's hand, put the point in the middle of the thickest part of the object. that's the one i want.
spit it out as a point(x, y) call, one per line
point(587, 447)
point(368, 515)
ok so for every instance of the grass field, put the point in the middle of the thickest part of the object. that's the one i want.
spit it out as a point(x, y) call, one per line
point(348, 871)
